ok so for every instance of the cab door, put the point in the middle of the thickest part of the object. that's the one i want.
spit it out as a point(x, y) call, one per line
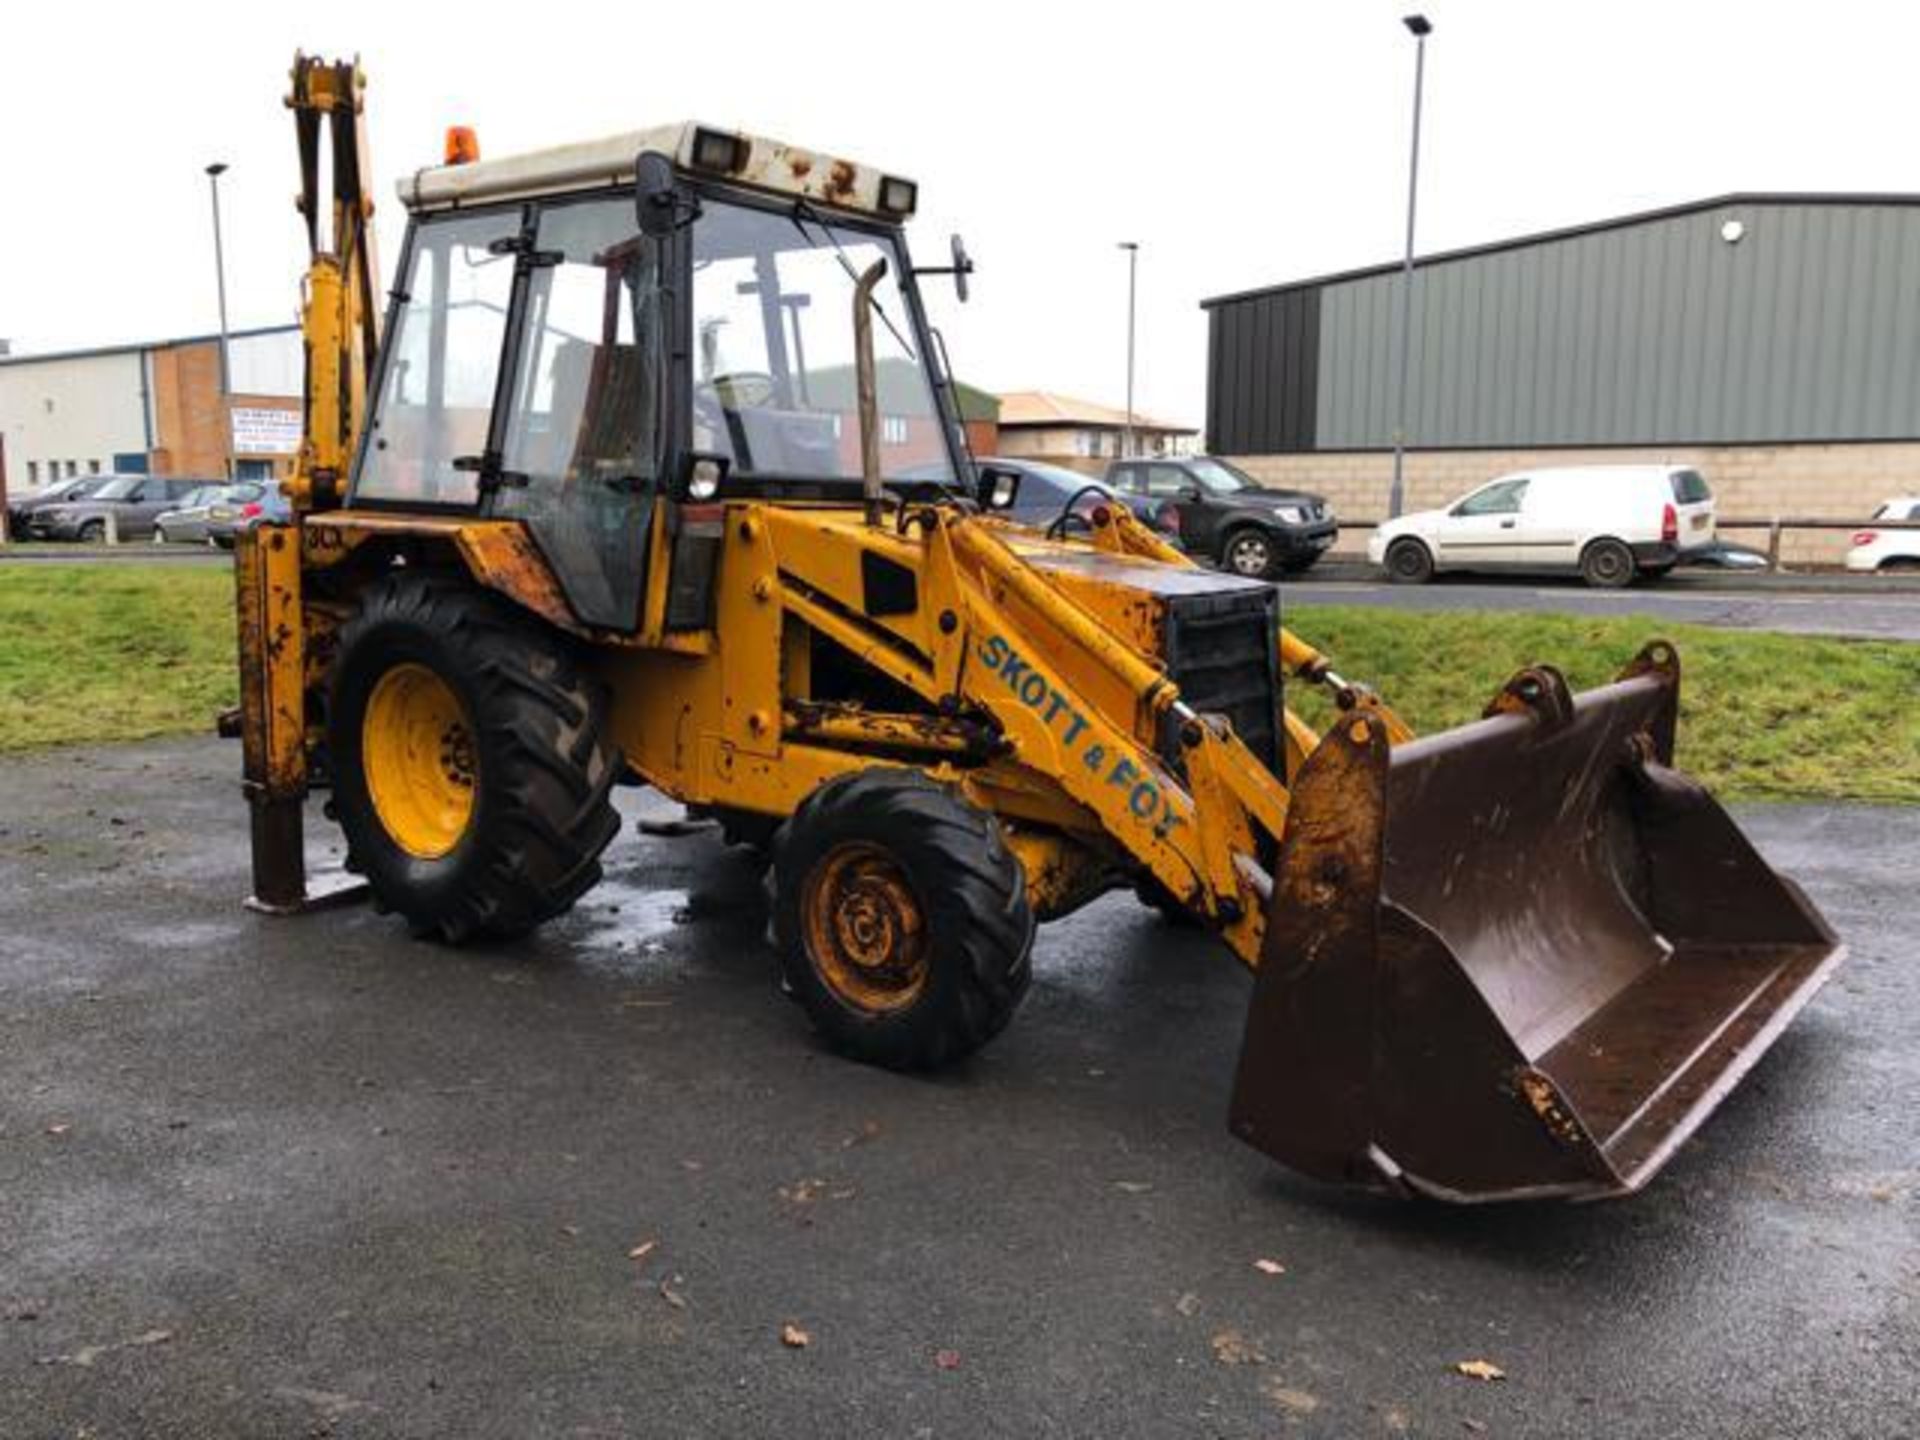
point(579, 435)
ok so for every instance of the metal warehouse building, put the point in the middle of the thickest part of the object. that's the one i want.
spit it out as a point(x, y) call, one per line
point(1771, 340)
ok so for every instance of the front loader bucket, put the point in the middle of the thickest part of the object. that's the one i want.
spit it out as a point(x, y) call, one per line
point(1521, 958)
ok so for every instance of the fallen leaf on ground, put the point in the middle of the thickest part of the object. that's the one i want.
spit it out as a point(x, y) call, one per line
point(672, 1296)
point(1269, 1267)
point(793, 1337)
point(1230, 1347)
point(1480, 1370)
point(1188, 1304)
point(572, 1232)
point(1476, 1426)
point(1133, 1187)
point(1396, 1420)
point(58, 1129)
point(802, 1192)
point(869, 1130)
point(151, 1337)
point(642, 1250)
point(947, 1359)
point(1293, 1401)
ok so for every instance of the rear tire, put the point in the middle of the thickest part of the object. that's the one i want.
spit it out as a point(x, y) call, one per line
point(902, 919)
point(1251, 552)
point(1409, 562)
point(1899, 565)
point(94, 532)
point(519, 730)
point(1607, 565)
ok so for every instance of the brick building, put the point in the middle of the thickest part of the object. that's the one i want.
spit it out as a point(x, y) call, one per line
point(152, 408)
point(1770, 341)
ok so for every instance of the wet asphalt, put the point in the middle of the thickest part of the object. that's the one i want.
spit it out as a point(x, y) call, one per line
point(301, 1178)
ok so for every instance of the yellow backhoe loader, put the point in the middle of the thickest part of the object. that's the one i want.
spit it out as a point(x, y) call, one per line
point(657, 477)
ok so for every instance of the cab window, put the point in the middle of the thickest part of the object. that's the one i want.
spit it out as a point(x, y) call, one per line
point(436, 396)
point(1503, 497)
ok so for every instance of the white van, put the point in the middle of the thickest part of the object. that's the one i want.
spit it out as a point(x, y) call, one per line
point(1610, 523)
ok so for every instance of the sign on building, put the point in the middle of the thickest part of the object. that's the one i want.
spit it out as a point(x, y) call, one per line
point(258, 431)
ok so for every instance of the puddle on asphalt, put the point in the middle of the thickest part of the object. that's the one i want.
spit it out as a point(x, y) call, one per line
point(621, 926)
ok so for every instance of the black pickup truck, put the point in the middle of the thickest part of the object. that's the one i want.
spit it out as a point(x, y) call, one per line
point(1222, 514)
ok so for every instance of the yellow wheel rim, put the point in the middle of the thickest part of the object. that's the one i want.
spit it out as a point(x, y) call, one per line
point(416, 748)
point(865, 931)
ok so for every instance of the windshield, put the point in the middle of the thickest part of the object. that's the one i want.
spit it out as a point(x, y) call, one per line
point(1219, 477)
point(117, 489)
point(773, 364)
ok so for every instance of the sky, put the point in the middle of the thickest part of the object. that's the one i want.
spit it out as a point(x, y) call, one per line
point(1239, 144)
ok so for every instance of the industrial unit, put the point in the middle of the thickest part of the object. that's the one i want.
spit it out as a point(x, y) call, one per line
point(1771, 340)
point(151, 407)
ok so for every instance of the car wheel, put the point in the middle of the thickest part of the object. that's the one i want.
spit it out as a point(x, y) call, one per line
point(1899, 565)
point(1409, 562)
point(93, 532)
point(1251, 553)
point(1607, 565)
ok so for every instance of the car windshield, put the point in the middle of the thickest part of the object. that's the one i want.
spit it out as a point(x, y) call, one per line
point(204, 495)
point(1219, 477)
point(773, 327)
point(118, 489)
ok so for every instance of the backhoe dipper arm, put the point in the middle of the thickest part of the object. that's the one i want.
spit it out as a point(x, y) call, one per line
point(340, 321)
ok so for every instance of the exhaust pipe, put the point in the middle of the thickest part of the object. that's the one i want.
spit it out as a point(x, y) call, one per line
point(864, 387)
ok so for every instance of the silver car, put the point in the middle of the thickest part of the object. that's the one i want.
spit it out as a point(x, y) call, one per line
point(189, 524)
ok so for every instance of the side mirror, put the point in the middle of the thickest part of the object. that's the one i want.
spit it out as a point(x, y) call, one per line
point(962, 268)
point(657, 200)
point(1190, 491)
point(999, 487)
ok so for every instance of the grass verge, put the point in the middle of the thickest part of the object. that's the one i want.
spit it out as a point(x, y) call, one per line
point(113, 651)
point(1762, 716)
point(125, 651)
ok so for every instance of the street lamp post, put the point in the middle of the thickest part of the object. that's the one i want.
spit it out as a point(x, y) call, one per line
point(214, 172)
point(1419, 27)
point(1132, 247)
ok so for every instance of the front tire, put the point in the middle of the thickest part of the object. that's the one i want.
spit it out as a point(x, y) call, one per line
point(902, 919)
point(1409, 562)
point(1251, 552)
point(471, 769)
point(1607, 565)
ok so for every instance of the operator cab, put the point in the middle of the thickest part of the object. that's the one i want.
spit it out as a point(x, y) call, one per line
point(550, 358)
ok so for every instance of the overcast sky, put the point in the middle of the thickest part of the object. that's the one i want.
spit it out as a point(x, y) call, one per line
point(1240, 144)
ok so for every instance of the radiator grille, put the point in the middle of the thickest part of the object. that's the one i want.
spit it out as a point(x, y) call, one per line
point(1222, 651)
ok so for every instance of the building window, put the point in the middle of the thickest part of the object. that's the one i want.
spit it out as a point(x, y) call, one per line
point(893, 430)
point(33, 472)
point(93, 467)
point(73, 468)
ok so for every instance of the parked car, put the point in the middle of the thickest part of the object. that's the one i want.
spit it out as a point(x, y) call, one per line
point(134, 501)
point(1045, 491)
point(1610, 524)
point(1883, 550)
point(229, 517)
point(188, 524)
point(20, 510)
point(1219, 513)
